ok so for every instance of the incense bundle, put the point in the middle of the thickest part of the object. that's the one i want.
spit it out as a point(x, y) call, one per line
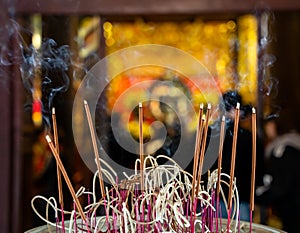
point(222, 135)
point(164, 205)
point(66, 177)
point(141, 144)
point(197, 150)
point(55, 135)
point(95, 147)
point(203, 147)
point(233, 153)
point(253, 159)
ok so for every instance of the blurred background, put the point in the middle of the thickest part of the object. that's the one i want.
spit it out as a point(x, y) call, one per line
point(47, 47)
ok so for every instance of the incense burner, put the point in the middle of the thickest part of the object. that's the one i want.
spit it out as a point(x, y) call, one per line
point(256, 228)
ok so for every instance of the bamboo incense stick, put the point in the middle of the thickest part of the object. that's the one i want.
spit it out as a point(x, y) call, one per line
point(233, 153)
point(141, 145)
point(55, 135)
point(203, 147)
point(222, 134)
point(95, 147)
point(66, 177)
point(253, 158)
point(197, 150)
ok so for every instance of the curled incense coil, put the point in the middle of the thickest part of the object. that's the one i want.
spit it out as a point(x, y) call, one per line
point(163, 206)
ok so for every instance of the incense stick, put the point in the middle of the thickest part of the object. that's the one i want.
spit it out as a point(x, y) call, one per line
point(55, 135)
point(95, 147)
point(203, 147)
point(197, 150)
point(65, 175)
point(170, 205)
point(233, 153)
point(141, 144)
point(222, 134)
point(253, 158)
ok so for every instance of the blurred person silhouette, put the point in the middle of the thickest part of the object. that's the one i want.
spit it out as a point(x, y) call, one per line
point(281, 189)
point(243, 163)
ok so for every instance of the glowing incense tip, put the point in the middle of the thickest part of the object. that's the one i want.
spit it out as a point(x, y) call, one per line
point(201, 105)
point(140, 105)
point(48, 138)
point(253, 110)
point(223, 118)
point(237, 105)
point(208, 106)
point(85, 102)
point(53, 110)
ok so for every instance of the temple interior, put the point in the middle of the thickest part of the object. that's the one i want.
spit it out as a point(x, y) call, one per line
point(48, 48)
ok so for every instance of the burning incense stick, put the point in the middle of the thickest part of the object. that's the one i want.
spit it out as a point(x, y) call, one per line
point(141, 144)
point(197, 150)
point(95, 147)
point(253, 158)
point(168, 202)
point(222, 134)
point(55, 135)
point(233, 153)
point(203, 147)
point(65, 175)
